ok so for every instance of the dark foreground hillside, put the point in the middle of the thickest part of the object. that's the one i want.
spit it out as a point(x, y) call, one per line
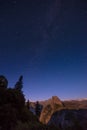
point(14, 114)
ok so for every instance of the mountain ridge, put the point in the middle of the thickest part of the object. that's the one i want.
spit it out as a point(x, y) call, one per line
point(48, 101)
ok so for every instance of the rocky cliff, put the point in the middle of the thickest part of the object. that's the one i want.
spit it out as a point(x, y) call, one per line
point(51, 106)
point(66, 115)
point(70, 119)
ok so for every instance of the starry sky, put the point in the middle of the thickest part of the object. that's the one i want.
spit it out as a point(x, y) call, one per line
point(46, 42)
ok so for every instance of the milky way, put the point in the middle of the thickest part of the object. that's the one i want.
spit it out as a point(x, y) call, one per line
point(46, 41)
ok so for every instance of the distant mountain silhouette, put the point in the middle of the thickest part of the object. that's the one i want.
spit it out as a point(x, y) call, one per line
point(76, 104)
point(68, 104)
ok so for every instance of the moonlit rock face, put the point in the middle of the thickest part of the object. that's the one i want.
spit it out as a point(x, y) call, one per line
point(51, 106)
point(54, 105)
point(56, 100)
point(72, 119)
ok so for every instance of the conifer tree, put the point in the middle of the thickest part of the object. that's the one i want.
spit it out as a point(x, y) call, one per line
point(37, 109)
point(3, 81)
point(28, 104)
point(19, 84)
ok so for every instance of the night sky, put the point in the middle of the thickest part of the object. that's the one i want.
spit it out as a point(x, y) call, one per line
point(46, 42)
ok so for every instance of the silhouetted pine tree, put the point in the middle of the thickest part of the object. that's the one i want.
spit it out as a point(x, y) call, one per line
point(3, 81)
point(12, 102)
point(19, 84)
point(37, 109)
point(28, 104)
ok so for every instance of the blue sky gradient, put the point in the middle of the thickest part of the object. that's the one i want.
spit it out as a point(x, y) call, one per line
point(46, 42)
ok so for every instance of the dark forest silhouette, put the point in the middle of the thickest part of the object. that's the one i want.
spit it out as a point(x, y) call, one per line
point(14, 114)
